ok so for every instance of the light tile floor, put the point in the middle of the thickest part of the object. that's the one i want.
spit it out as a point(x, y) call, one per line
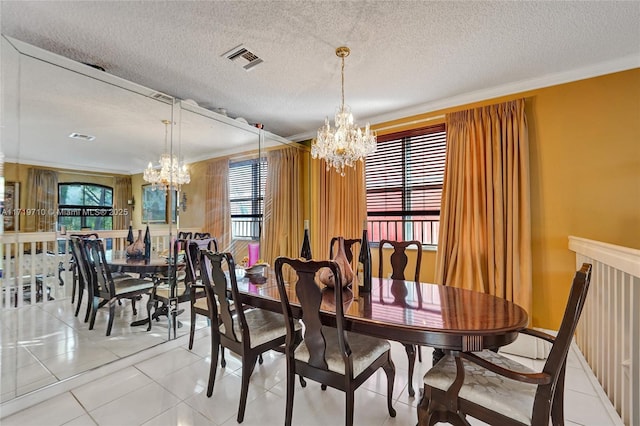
point(170, 389)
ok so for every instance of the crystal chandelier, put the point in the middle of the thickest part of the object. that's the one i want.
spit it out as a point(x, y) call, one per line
point(172, 174)
point(347, 143)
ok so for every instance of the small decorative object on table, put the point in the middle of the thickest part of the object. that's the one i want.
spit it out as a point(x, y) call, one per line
point(326, 277)
point(147, 244)
point(137, 248)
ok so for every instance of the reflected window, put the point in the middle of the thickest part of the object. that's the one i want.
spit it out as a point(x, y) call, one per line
point(404, 180)
point(85, 205)
point(246, 196)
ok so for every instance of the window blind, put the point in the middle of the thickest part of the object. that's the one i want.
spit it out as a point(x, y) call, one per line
point(404, 176)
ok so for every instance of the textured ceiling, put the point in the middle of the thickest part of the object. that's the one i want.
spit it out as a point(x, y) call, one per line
point(407, 57)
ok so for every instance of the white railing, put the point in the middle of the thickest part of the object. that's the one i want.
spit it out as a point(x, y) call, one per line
point(37, 263)
point(609, 330)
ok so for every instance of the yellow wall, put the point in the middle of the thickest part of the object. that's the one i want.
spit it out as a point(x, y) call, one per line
point(15, 172)
point(585, 176)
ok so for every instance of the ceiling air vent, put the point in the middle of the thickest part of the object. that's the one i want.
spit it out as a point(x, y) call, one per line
point(80, 136)
point(162, 97)
point(244, 57)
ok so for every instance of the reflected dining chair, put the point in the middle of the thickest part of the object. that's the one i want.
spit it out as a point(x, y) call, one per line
point(106, 290)
point(182, 235)
point(399, 261)
point(497, 390)
point(246, 331)
point(197, 295)
point(78, 280)
point(329, 355)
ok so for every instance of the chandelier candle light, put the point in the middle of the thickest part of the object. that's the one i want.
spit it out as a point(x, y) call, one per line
point(172, 174)
point(347, 143)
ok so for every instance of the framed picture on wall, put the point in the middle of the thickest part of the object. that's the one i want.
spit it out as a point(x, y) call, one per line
point(155, 205)
point(11, 205)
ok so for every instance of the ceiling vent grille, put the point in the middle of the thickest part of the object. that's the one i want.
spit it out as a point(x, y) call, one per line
point(80, 136)
point(162, 97)
point(244, 57)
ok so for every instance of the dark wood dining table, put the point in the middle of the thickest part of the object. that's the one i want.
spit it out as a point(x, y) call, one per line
point(442, 317)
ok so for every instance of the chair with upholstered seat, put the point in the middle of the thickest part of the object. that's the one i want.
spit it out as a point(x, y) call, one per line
point(246, 332)
point(201, 235)
point(399, 261)
point(197, 295)
point(332, 356)
point(106, 290)
point(497, 390)
point(78, 281)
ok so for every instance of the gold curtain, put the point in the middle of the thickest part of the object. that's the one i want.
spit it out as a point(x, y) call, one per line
point(122, 193)
point(485, 222)
point(342, 205)
point(283, 207)
point(42, 190)
point(217, 220)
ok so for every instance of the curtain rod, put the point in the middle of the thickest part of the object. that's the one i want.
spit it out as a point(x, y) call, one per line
point(408, 123)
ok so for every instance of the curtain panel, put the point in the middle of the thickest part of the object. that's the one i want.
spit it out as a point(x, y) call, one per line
point(42, 190)
point(485, 223)
point(122, 193)
point(217, 219)
point(342, 206)
point(283, 207)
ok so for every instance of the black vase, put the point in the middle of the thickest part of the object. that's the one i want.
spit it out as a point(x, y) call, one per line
point(130, 236)
point(147, 244)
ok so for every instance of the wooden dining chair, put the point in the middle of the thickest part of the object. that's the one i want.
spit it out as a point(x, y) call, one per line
point(197, 295)
point(78, 281)
point(329, 355)
point(247, 332)
point(498, 390)
point(399, 261)
point(106, 290)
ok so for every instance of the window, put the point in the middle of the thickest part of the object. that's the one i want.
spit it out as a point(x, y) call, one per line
point(246, 196)
point(404, 185)
point(85, 205)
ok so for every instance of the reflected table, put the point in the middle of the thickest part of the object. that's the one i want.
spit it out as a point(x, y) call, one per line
point(153, 267)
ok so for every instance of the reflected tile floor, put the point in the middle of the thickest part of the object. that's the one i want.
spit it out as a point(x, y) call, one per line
point(170, 389)
point(48, 343)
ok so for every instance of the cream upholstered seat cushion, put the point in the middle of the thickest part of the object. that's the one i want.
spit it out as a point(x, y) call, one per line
point(509, 397)
point(201, 304)
point(364, 350)
point(127, 285)
point(264, 326)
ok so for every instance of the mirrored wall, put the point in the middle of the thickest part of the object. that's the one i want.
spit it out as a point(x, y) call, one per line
point(76, 141)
